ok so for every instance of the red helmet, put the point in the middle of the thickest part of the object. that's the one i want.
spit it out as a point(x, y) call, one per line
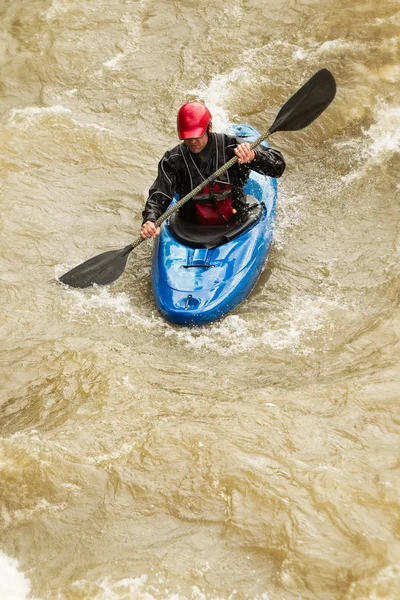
point(193, 119)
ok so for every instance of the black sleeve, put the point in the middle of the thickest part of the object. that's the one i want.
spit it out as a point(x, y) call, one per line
point(268, 161)
point(161, 192)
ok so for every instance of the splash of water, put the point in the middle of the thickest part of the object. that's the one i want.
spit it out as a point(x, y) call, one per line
point(13, 583)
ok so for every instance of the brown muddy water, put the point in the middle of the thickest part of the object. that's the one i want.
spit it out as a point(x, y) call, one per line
point(254, 458)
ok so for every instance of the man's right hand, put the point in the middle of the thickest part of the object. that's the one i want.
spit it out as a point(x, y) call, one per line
point(149, 230)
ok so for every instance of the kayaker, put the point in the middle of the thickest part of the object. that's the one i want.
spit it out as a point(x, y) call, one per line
point(199, 155)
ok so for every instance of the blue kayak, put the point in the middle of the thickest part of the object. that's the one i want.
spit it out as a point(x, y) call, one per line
point(195, 285)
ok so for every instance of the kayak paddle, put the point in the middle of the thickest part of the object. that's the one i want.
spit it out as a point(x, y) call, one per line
point(298, 112)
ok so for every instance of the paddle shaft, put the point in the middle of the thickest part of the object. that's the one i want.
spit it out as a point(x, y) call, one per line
point(198, 189)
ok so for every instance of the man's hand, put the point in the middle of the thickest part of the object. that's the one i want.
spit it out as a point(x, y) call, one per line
point(149, 230)
point(244, 153)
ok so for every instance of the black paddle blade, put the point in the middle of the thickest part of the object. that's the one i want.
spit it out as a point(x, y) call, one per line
point(307, 103)
point(102, 269)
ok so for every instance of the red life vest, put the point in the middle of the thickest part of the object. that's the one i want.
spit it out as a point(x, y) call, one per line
point(214, 204)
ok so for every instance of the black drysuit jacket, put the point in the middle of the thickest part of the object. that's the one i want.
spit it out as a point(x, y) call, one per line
point(180, 171)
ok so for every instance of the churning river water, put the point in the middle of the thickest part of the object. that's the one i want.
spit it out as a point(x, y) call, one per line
point(254, 458)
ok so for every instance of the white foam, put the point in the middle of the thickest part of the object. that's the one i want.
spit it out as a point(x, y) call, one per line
point(384, 140)
point(214, 98)
point(385, 132)
point(128, 384)
point(104, 304)
point(56, 9)
point(113, 63)
point(229, 336)
point(334, 45)
point(13, 583)
point(72, 487)
point(234, 12)
point(31, 114)
point(42, 506)
point(289, 329)
point(128, 588)
point(123, 451)
point(304, 316)
point(217, 92)
point(393, 19)
point(138, 588)
point(299, 54)
point(327, 47)
point(289, 215)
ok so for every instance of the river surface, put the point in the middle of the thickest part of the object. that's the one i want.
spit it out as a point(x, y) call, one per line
point(254, 458)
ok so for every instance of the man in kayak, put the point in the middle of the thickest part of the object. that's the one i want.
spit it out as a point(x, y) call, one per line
point(200, 154)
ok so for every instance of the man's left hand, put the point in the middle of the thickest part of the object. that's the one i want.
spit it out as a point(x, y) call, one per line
point(244, 153)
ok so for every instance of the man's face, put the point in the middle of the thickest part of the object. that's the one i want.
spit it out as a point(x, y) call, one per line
point(196, 145)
